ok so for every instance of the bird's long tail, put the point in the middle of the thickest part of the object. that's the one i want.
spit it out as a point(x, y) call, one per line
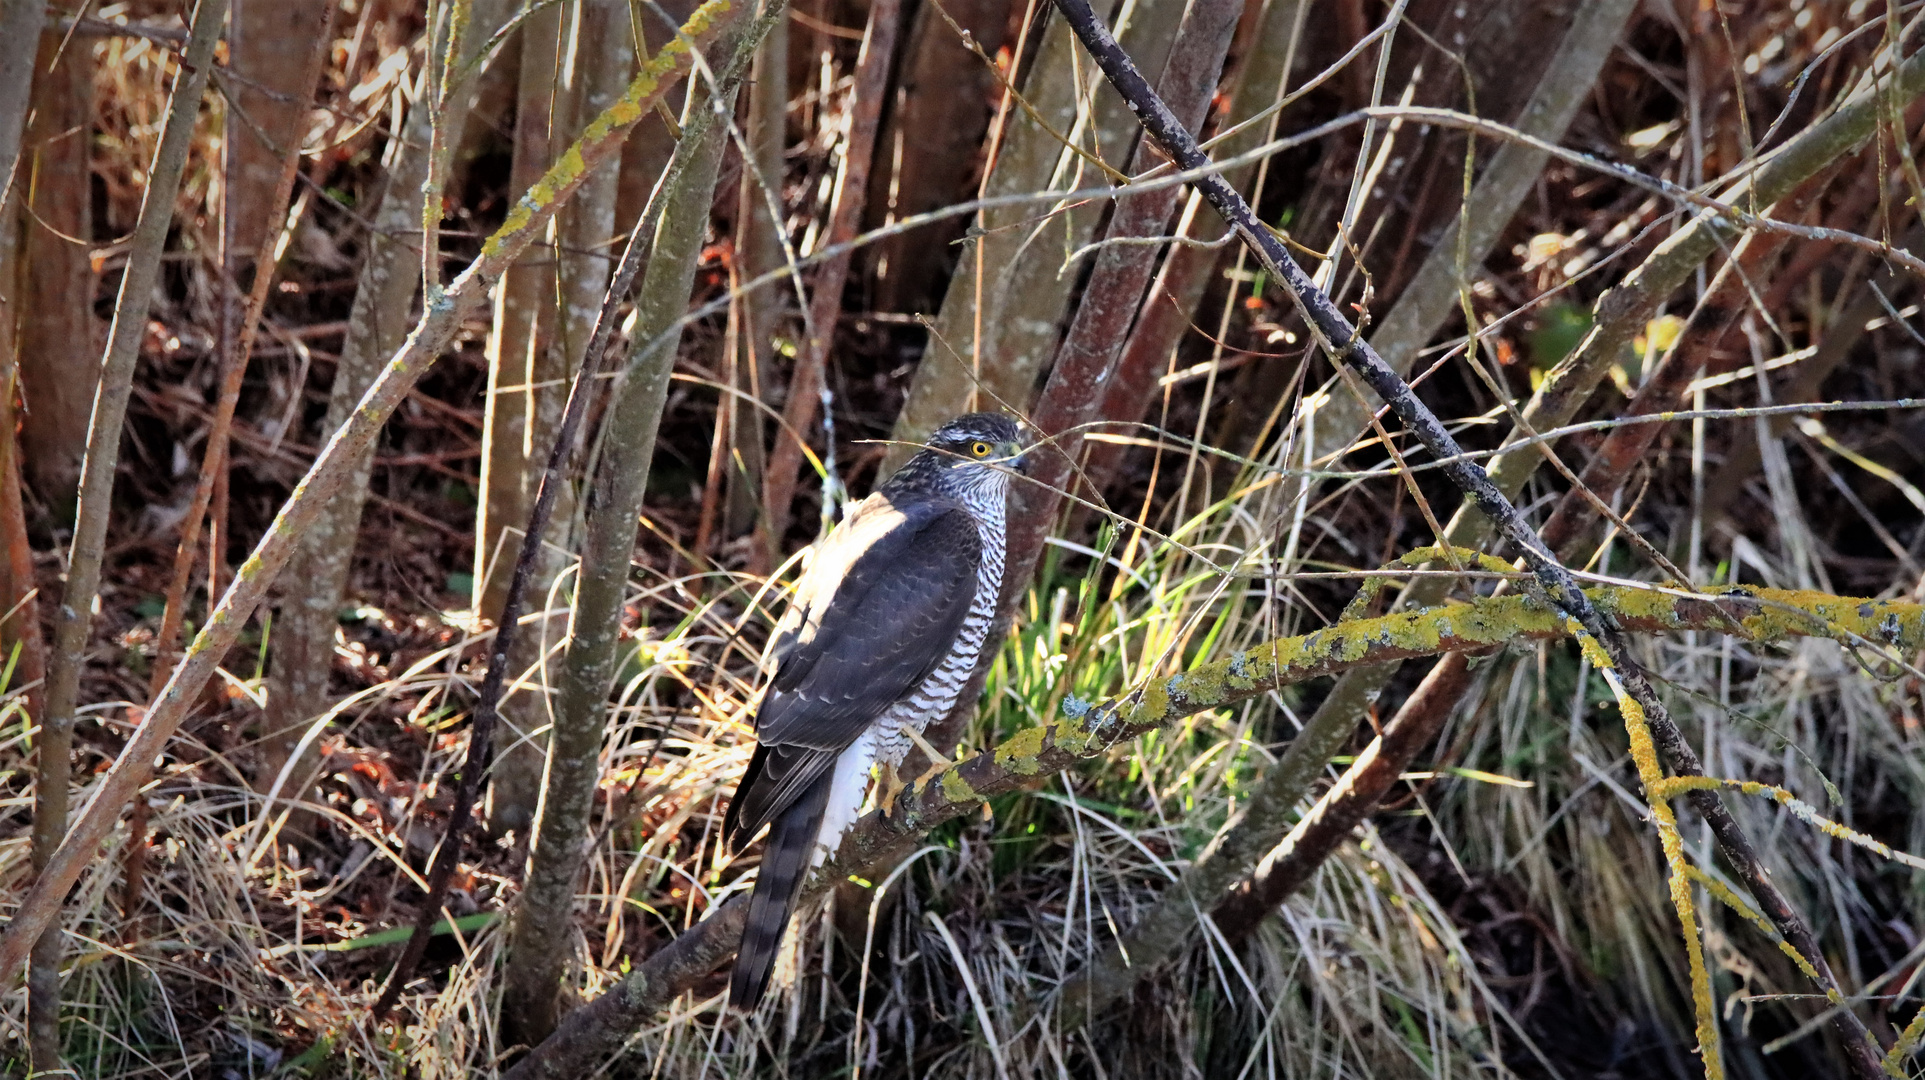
point(785, 863)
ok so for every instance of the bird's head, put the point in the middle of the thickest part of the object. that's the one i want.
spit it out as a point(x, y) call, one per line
point(971, 450)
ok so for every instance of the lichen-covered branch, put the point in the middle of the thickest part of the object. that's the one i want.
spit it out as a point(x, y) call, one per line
point(537, 952)
point(1764, 615)
point(1645, 753)
point(1087, 731)
point(1283, 865)
point(1357, 792)
point(601, 142)
point(1486, 490)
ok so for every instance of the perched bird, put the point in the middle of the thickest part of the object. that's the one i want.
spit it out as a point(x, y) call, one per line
point(884, 629)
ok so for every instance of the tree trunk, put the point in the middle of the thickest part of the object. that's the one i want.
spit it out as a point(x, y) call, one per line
point(544, 926)
point(20, 23)
point(59, 336)
point(759, 250)
point(522, 354)
point(1002, 314)
point(304, 629)
point(928, 156)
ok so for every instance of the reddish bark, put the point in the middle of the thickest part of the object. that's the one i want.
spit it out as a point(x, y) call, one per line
point(825, 305)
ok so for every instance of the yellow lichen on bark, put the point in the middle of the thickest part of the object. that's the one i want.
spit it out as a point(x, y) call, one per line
point(956, 789)
point(1763, 615)
point(1417, 557)
point(1907, 1041)
point(1785, 613)
point(1800, 809)
point(603, 134)
point(1722, 892)
point(1019, 752)
point(1645, 753)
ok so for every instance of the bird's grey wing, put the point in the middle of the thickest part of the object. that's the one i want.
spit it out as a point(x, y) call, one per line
point(879, 608)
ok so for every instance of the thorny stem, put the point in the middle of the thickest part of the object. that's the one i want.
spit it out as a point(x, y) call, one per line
point(1343, 343)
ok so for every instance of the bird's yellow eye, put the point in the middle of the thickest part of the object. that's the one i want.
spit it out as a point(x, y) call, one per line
point(980, 449)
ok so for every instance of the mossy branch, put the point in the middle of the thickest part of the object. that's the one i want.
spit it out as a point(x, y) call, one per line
point(600, 143)
point(1763, 615)
point(1087, 731)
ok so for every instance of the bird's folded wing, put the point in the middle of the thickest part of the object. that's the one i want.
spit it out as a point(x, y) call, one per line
point(880, 606)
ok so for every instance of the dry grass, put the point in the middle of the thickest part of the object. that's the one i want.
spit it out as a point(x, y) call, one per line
point(1508, 916)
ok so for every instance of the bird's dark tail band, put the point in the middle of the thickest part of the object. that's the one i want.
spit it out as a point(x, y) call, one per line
point(785, 865)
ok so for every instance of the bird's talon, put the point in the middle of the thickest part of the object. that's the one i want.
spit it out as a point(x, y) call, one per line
point(937, 762)
point(889, 788)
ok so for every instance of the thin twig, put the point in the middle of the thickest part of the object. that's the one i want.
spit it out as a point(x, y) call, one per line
point(73, 618)
point(1341, 341)
point(437, 327)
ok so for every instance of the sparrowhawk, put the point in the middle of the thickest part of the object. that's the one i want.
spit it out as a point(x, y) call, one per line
point(878, 640)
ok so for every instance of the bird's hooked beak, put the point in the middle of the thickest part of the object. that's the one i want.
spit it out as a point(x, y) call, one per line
point(1019, 457)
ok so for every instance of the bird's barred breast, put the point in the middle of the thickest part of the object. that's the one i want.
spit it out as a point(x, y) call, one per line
point(885, 744)
point(937, 693)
